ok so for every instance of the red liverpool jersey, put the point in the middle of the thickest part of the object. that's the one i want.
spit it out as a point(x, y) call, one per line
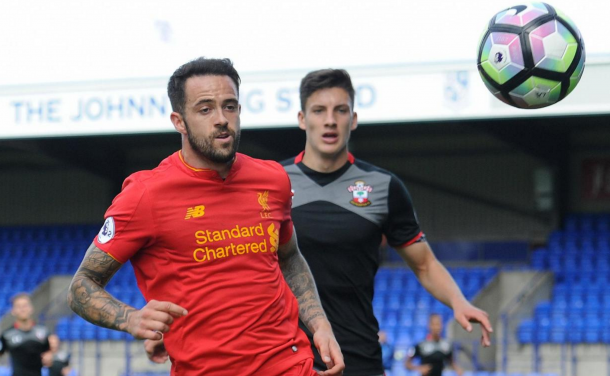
point(210, 246)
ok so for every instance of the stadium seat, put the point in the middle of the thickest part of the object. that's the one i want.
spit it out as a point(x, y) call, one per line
point(44, 251)
point(558, 334)
point(525, 333)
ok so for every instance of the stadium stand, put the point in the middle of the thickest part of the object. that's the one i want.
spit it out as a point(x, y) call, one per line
point(30, 255)
point(579, 311)
point(37, 253)
point(402, 306)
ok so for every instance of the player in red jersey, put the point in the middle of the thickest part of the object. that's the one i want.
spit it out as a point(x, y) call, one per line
point(211, 240)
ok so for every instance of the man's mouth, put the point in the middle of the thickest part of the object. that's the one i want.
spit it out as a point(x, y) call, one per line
point(330, 137)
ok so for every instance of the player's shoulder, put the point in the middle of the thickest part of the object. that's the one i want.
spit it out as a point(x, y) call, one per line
point(446, 344)
point(261, 165)
point(41, 331)
point(9, 332)
point(288, 162)
point(148, 177)
point(63, 356)
point(413, 350)
point(369, 167)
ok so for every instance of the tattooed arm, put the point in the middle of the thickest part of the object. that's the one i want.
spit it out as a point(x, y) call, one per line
point(89, 299)
point(298, 276)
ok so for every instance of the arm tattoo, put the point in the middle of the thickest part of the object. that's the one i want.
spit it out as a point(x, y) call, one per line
point(298, 276)
point(87, 296)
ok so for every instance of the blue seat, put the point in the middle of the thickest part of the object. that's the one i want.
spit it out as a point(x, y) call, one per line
point(577, 301)
point(103, 334)
point(575, 335)
point(117, 335)
point(393, 303)
point(525, 332)
point(558, 335)
point(420, 320)
point(543, 322)
point(592, 332)
point(605, 335)
point(403, 337)
point(406, 319)
point(543, 309)
point(559, 313)
point(88, 332)
point(543, 335)
point(391, 319)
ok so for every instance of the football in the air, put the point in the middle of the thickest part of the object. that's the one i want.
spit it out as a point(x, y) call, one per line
point(531, 55)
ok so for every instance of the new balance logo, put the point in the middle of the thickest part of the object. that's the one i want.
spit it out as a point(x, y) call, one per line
point(195, 212)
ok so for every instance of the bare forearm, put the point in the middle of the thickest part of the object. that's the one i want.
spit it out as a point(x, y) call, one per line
point(298, 276)
point(409, 365)
point(438, 282)
point(90, 301)
point(431, 273)
point(87, 296)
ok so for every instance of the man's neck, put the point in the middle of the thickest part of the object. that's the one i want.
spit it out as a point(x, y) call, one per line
point(24, 324)
point(322, 163)
point(195, 160)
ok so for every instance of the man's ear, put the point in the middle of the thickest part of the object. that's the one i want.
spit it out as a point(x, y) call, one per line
point(301, 118)
point(178, 122)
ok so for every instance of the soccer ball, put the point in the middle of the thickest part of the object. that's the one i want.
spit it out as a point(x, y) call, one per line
point(531, 56)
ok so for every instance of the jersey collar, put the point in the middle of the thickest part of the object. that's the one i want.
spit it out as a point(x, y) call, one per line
point(299, 158)
point(205, 173)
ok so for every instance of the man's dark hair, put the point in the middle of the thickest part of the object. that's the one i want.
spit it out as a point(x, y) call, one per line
point(198, 67)
point(325, 79)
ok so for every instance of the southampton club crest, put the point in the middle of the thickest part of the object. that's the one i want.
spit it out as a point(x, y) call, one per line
point(360, 193)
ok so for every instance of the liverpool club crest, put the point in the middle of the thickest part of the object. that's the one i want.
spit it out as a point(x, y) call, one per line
point(360, 193)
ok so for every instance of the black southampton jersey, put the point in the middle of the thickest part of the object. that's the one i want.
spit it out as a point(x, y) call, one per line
point(61, 359)
point(434, 353)
point(340, 218)
point(25, 348)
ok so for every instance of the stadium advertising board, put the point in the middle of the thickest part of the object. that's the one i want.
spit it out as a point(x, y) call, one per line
point(104, 72)
point(144, 107)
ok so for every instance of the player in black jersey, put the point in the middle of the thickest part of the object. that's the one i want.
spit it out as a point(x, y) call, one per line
point(434, 353)
point(26, 342)
point(341, 208)
point(56, 360)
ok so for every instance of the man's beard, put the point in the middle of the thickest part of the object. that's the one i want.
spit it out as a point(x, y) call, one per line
point(205, 146)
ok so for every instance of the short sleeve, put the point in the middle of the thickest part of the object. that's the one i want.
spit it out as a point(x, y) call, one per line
point(402, 227)
point(286, 227)
point(414, 352)
point(46, 346)
point(128, 222)
point(449, 357)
